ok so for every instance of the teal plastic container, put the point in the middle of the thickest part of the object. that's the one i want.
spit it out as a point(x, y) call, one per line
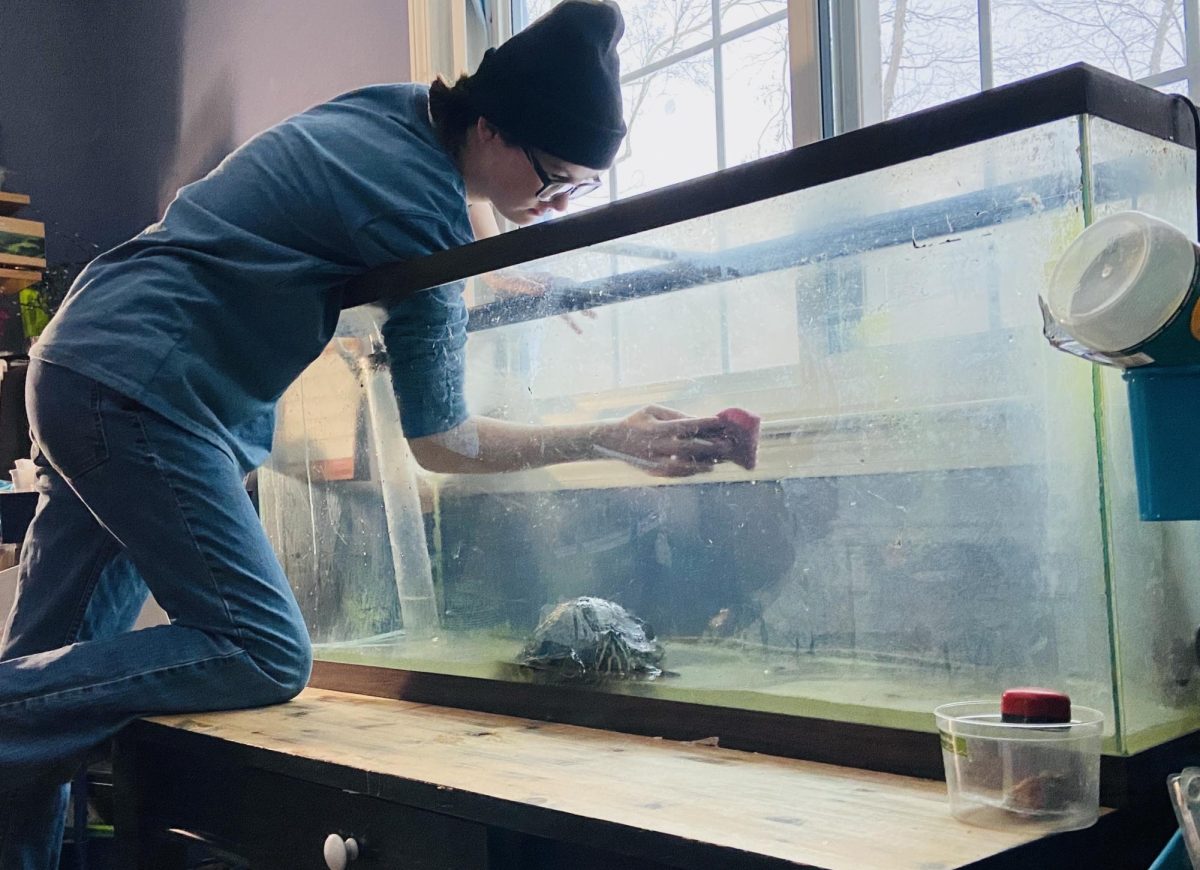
point(1164, 407)
point(1128, 290)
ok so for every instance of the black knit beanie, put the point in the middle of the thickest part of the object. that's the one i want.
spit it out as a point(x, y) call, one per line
point(556, 85)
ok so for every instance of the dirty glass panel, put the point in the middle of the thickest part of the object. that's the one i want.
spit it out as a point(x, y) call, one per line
point(924, 523)
point(1155, 597)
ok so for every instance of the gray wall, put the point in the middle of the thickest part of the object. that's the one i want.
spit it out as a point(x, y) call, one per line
point(107, 107)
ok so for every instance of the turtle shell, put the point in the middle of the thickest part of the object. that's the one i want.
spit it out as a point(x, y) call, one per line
point(592, 637)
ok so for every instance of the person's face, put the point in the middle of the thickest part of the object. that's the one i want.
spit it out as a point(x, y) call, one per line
point(524, 183)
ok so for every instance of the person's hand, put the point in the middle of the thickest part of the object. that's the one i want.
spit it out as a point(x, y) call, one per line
point(509, 283)
point(663, 442)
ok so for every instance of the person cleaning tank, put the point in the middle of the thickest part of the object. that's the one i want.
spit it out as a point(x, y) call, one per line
point(152, 392)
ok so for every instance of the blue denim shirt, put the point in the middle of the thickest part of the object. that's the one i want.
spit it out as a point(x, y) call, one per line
point(208, 315)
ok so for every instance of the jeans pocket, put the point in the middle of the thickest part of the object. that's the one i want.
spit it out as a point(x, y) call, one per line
point(67, 420)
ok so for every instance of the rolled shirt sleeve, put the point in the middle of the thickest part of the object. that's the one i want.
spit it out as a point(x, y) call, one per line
point(425, 334)
point(426, 340)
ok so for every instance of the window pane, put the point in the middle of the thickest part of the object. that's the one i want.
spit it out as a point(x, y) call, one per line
point(757, 94)
point(929, 53)
point(736, 13)
point(654, 29)
point(1132, 39)
point(657, 29)
point(672, 127)
point(534, 9)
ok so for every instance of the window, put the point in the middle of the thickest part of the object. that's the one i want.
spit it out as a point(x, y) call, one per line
point(739, 79)
point(706, 85)
point(912, 54)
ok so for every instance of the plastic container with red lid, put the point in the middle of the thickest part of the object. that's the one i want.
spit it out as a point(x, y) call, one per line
point(1031, 760)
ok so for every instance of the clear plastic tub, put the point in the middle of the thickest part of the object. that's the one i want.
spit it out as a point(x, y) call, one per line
point(1035, 777)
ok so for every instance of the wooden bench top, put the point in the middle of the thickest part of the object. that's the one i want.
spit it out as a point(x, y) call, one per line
point(815, 815)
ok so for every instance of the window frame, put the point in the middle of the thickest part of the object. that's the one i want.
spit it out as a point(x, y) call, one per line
point(834, 61)
point(857, 66)
point(805, 63)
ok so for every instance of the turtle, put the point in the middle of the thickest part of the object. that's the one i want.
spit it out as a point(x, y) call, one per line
point(591, 637)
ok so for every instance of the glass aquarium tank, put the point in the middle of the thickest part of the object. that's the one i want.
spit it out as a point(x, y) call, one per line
point(943, 505)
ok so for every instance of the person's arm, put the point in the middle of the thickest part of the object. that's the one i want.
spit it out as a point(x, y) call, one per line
point(425, 336)
point(660, 441)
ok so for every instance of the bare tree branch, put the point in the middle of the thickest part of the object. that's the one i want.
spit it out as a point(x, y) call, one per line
point(1165, 18)
point(894, 56)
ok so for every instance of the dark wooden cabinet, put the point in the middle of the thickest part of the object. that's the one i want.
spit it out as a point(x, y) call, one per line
point(269, 821)
point(272, 821)
point(178, 795)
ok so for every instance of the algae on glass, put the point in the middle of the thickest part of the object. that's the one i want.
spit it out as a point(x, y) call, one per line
point(943, 505)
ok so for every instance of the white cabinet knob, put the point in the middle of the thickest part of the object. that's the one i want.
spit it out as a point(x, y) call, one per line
point(339, 853)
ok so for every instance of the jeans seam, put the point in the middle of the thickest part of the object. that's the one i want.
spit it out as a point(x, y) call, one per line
point(85, 599)
point(36, 699)
point(98, 421)
point(212, 580)
point(100, 455)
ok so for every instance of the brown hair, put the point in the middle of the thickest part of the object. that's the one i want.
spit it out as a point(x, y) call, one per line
point(453, 113)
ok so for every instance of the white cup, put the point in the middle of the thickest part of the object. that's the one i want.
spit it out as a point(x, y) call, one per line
point(24, 475)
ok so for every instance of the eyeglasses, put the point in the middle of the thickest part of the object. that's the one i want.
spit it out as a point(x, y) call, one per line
point(552, 187)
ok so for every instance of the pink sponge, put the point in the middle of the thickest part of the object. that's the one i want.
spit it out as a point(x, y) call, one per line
point(740, 429)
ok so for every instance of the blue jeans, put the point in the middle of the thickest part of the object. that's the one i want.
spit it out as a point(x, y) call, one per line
point(128, 501)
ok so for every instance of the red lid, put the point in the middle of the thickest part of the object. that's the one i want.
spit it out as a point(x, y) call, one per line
point(1040, 705)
